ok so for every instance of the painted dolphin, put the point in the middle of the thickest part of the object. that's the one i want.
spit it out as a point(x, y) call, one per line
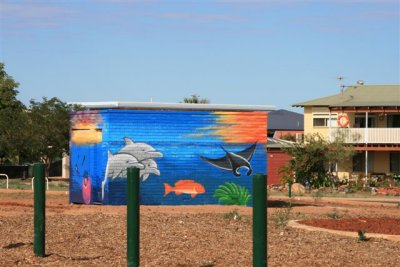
point(140, 151)
point(118, 163)
point(133, 154)
point(234, 161)
point(150, 167)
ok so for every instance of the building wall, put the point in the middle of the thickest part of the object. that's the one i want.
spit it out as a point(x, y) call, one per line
point(381, 162)
point(308, 121)
point(184, 157)
point(276, 160)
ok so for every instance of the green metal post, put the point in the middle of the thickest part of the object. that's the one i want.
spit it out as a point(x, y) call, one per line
point(259, 221)
point(290, 188)
point(39, 210)
point(133, 217)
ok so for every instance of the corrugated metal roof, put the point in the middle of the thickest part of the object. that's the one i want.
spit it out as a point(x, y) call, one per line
point(360, 96)
point(172, 106)
point(283, 119)
point(278, 143)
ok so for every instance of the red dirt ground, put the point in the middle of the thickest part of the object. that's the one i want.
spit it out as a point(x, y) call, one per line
point(199, 236)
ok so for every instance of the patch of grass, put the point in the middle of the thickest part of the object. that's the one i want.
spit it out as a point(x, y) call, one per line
point(300, 216)
point(317, 196)
point(26, 184)
point(282, 216)
point(334, 215)
point(59, 185)
point(233, 215)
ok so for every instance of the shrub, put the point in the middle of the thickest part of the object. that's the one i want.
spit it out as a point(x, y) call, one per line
point(334, 215)
point(362, 236)
point(233, 215)
point(281, 217)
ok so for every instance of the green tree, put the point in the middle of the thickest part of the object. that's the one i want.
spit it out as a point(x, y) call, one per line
point(49, 126)
point(195, 99)
point(312, 160)
point(12, 118)
point(339, 152)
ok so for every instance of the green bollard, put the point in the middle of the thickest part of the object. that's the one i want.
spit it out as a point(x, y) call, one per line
point(290, 188)
point(39, 210)
point(133, 218)
point(259, 221)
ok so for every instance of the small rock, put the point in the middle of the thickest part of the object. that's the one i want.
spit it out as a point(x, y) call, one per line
point(298, 188)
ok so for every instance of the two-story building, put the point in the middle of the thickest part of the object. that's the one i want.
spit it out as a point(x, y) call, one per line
point(368, 117)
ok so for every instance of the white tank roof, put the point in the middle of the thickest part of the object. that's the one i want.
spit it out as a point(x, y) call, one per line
point(172, 106)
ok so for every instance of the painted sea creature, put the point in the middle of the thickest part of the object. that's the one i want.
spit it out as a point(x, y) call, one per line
point(86, 189)
point(233, 161)
point(232, 194)
point(133, 154)
point(140, 151)
point(185, 187)
point(150, 167)
point(118, 163)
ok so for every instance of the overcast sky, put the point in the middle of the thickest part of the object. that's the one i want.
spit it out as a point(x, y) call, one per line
point(229, 51)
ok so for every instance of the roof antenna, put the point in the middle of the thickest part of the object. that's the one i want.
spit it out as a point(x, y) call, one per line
point(342, 86)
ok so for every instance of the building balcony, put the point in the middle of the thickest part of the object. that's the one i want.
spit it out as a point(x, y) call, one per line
point(367, 135)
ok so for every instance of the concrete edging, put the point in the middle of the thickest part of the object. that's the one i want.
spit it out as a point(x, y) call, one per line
point(295, 224)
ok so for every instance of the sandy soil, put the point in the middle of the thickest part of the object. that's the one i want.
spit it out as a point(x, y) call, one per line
point(78, 235)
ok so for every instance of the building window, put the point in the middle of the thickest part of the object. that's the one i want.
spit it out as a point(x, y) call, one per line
point(359, 162)
point(359, 121)
point(393, 121)
point(319, 122)
point(322, 120)
point(395, 162)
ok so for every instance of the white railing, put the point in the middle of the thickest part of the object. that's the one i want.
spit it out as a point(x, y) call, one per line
point(47, 182)
point(367, 135)
point(5, 175)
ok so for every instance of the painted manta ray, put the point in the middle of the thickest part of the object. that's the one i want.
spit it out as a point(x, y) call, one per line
point(234, 161)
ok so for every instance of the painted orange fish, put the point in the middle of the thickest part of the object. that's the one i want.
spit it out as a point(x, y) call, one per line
point(185, 187)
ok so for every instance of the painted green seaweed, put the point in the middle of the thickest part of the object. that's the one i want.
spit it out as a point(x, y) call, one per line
point(232, 194)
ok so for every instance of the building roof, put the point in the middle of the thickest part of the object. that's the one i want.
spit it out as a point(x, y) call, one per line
point(283, 119)
point(278, 143)
point(172, 106)
point(359, 96)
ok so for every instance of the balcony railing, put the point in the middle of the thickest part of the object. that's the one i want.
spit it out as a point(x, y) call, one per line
point(367, 135)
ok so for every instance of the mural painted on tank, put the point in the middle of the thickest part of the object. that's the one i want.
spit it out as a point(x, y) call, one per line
point(189, 187)
point(232, 194)
point(234, 161)
point(133, 154)
point(236, 127)
point(86, 189)
point(80, 175)
point(85, 128)
point(86, 135)
point(184, 157)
